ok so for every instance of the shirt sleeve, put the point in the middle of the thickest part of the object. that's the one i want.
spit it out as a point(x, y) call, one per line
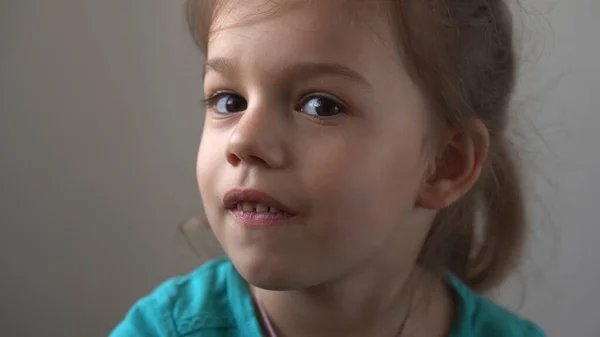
point(149, 317)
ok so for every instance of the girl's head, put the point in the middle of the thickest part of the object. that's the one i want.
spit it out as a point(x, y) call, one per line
point(379, 129)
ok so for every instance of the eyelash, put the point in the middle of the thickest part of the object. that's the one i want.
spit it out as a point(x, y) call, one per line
point(213, 97)
point(320, 94)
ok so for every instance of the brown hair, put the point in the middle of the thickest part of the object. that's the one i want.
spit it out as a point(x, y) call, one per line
point(460, 53)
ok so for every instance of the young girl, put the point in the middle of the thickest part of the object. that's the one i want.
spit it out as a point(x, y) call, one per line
point(351, 148)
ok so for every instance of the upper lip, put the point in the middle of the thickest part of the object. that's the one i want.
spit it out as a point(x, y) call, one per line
point(237, 195)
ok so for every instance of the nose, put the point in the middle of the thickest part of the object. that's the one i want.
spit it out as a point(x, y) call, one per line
point(257, 139)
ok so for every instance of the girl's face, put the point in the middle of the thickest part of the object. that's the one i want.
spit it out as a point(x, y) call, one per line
point(311, 107)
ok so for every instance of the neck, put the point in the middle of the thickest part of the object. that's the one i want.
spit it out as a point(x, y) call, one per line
point(372, 302)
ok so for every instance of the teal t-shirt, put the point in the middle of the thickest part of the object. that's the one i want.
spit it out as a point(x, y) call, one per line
point(215, 301)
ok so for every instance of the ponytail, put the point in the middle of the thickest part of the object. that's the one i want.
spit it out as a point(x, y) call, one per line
point(480, 238)
point(504, 222)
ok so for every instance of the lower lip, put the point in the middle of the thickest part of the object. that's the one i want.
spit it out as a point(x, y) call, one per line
point(259, 220)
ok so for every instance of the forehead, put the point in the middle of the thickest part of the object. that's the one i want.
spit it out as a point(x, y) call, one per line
point(333, 30)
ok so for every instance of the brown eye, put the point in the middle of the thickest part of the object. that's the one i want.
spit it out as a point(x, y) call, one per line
point(322, 106)
point(227, 103)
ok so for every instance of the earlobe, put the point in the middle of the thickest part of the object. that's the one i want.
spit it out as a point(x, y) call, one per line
point(457, 167)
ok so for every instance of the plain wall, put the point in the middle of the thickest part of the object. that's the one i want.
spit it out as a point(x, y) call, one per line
point(100, 120)
point(100, 123)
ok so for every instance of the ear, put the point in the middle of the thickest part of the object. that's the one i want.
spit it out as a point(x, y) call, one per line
point(457, 167)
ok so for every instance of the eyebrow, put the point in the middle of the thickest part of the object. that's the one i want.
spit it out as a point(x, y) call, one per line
point(301, 69)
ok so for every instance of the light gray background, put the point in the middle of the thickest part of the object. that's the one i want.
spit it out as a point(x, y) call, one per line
point(99, 124)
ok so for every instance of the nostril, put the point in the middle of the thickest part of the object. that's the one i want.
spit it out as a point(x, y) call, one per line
point(233, 159)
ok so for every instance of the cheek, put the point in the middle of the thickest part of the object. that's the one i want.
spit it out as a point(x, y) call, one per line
point(207, 167)
point(363, 189)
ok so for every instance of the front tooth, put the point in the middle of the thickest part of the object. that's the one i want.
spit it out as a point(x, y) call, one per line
point(240, 206)
point(248, 207)
point(273, 210)
point(262, 208)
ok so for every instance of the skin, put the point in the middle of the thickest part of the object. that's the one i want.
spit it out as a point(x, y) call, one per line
point(362, 182)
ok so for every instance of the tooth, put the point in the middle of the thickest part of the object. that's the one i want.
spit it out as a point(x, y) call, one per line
point(240, 206)
point(262, 208)
point(273, 210)
point(248, 207)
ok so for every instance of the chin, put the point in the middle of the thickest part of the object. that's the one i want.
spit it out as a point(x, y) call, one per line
point(270, 273)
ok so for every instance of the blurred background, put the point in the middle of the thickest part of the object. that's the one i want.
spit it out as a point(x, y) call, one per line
point(100, 119)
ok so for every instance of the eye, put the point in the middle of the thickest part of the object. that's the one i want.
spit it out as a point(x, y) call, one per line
point(322, 106)
point(227, 103)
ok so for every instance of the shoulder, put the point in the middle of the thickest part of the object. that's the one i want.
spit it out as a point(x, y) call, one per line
point(479, 316)
point(180, 306)
point(489, 319)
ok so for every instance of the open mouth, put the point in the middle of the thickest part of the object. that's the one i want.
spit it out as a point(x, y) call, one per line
point(248, 206)
point(258, 215)
point(256, 208)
